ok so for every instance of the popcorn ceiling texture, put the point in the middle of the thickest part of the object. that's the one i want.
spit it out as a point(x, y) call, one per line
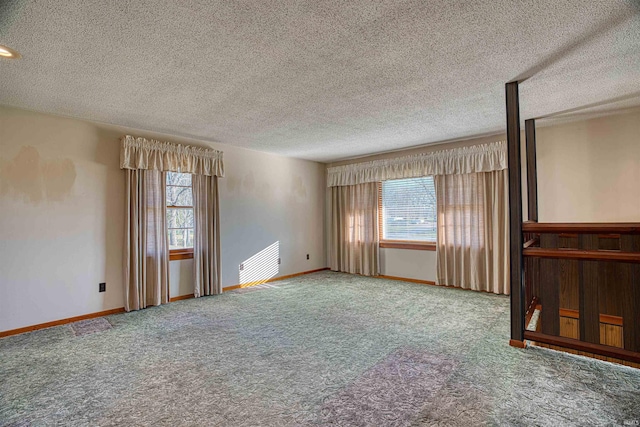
point(322, 349)
point(318, 79)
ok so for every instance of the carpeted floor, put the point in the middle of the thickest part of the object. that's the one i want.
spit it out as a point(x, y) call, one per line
point(322, 349)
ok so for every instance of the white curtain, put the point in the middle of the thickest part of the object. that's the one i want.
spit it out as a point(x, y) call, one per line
point(146, 254)
point(354, 229)
point(146, 239)
point(473, 231)
point(206, 242)
point(149, 154)
point(474, 159)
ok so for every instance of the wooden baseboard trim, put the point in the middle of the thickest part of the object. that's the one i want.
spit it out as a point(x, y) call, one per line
point(517, 344)
point(406, 279)
point(60, 322)
point(274, 279)
point(181, 297)
point(429, 282)
point(121, 309)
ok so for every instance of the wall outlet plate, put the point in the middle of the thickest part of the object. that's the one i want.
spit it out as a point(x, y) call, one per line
point(307, 256)
point(241, 267)
point(279, 261)
point(102, 287)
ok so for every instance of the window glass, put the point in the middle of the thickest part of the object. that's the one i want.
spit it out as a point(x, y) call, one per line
point(179, 210)
point(409, 209)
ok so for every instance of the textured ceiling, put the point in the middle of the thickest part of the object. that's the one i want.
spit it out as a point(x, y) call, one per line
point(318, 79)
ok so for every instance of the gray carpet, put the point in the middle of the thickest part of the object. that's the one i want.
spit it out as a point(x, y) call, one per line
point(322, 349)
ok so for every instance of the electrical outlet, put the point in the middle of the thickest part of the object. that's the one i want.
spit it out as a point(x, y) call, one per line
point(241, 267)
point(279, 261)
point(102, 287)
point(307, 256)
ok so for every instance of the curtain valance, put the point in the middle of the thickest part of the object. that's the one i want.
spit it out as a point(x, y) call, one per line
point(150, 154)
point(477, 158)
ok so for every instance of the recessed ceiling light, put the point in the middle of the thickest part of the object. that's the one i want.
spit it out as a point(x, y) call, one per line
point(8, 53)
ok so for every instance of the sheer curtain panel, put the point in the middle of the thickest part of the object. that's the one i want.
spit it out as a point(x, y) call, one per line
point(473, 231)
point(146, 254)
point(206, 240)
point(354, 229)
point(146, 162)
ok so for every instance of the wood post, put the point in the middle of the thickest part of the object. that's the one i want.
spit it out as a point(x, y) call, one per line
point(532, 172)
point(515, 213)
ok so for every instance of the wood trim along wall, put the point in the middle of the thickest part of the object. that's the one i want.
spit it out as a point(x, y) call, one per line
point(517, 344)
point(428, 282)
point(585, 354)
point(598, 255)
point(181, 297)
point(121, 309)
point(60, 322)
point(256, 283)
point(395, 244)
point(177, 254)
point(604, 318)
point(405, 279)
point(585, 227)
point(603, 350)
point(274, 279)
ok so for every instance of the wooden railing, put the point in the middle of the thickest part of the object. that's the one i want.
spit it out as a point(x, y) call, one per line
point(585, 279)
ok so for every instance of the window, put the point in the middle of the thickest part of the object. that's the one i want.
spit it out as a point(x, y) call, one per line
point(180, 215)
point(408, 218)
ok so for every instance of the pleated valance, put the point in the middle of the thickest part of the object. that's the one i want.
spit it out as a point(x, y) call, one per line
point(150, 154)
point(477, 158)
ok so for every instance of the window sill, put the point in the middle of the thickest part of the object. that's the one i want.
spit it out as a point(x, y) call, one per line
point(177, 254)
point(407, 244)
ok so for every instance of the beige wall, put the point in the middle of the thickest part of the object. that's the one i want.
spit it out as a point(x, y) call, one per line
point(589, 171)
point(408, 263)
point(62, 222)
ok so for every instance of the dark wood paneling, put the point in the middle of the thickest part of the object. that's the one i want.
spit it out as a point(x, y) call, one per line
point(569, 273)
point(569, 278)
point(532, 280)
point(609, 242)
point(568, 241)
point(589, 295)
point(613, 279)
point(631, 295)
point(550, 287)
point(517, 290)
point(549, 241)
point(532, 174)
point(593, 268)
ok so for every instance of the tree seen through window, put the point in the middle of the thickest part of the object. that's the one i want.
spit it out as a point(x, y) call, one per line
point(179, 210)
